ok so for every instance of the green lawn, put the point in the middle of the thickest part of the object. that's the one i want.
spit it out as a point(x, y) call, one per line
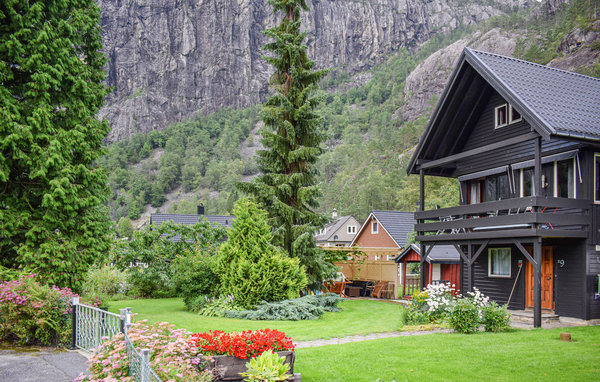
point(519, 355)
point(534, 355)
point(356, 317)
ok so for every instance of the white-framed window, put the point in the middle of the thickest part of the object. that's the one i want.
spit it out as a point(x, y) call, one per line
point(501, 116)
point(565, 185)
point(499, 262)
point(514, 115)
point(526, 182)
point(390, 257)
point(597, 178)
point(474, 192)
point(351, 229)
point(374, 227)
point(376, 257)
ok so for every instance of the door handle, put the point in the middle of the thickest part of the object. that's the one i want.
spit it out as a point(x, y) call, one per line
point(548, 278)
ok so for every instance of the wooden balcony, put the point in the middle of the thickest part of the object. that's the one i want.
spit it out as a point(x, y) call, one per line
point(532, 216)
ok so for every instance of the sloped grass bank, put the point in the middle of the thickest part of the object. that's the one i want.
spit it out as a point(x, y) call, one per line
point(356, 317)
point(534, 355)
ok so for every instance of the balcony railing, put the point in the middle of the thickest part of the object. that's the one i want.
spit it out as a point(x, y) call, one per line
point(518, 217)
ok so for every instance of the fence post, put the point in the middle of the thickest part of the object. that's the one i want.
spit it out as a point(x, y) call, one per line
point(74, 303)
point(122, 320)
point(145, 365)
point(128, 318)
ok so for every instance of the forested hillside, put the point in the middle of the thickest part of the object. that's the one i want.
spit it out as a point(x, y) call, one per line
point(372, 121)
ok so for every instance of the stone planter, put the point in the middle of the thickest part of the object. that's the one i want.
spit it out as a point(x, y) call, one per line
point(228, 368)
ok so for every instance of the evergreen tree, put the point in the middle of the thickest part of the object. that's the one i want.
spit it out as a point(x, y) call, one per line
point(291, 135)
point(51, 72)
point(250, 267)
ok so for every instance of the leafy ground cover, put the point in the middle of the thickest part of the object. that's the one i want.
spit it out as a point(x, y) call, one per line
point(356, 317)
point(534, 355)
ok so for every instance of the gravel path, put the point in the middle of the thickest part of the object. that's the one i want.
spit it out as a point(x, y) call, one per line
point(368, 337)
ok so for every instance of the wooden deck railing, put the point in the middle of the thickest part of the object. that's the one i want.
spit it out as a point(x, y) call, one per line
point(518, 217)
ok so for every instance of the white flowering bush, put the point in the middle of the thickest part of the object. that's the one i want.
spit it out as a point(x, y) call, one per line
point(439, 301)
point(465, 314)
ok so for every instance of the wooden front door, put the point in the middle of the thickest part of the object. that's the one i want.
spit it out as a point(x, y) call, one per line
point(547, 280)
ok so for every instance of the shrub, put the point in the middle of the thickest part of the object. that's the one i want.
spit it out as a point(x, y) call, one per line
point(106, 281)
point(464, 316)
point(212, 306)
point(173, 355)
point(243, 345)
point(33, 313)
point(267, 367)
point(439, 300)
point(495, 318)
point(194, 277)
point(250, 267)
point(304, 308)
point(153, 250)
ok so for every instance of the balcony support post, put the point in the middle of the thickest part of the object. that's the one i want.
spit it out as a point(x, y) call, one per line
point(537, 283)
point(537, 189)
point(470, 265)
point(423, 279)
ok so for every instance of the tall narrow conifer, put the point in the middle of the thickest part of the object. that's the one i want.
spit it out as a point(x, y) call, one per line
point(287, 187)
point(51, 193)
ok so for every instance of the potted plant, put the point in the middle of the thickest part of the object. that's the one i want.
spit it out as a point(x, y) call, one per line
point(227, 353)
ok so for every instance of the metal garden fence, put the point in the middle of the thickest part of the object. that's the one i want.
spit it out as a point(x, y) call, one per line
point(91, 325)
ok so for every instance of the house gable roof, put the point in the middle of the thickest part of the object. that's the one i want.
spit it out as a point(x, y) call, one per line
point(333, 227)
point(397, 224)
point(438, 254)
point(554, 102)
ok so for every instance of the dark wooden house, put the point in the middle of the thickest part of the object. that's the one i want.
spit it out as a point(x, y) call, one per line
point(523, 140)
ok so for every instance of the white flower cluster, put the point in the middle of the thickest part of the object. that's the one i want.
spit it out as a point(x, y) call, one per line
point(479, 299)
point(439, 297)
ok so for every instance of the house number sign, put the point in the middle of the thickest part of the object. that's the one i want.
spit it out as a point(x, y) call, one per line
point(561, 263)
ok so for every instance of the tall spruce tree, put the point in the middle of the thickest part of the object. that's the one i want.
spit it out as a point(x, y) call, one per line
point(291, 135)
point(51, 194)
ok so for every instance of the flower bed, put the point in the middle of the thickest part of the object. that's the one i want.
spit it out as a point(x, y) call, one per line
point(244, 344)
point(227, 352)
point(173, 355)
point(34, 313)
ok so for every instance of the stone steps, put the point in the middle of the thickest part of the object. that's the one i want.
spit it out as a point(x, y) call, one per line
point(526, 317)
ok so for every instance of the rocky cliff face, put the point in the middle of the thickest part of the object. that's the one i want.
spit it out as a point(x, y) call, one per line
point(429, 78)
point(170, 59)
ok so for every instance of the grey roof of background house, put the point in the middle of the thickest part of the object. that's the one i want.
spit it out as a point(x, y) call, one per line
point(399, 224)
point(438, 254)
point(223, 220)
point(562, 103)
point(332, 227)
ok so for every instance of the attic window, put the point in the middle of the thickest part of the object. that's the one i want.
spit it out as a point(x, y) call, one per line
point(375, 227)
point(514, 115)
point(501, 116)
point(351, 229)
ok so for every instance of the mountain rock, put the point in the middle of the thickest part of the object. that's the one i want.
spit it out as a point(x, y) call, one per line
point(168, 60)
point(428, 79)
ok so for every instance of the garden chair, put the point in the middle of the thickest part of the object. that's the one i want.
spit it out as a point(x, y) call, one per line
point(336, 287)
point(378, 289)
